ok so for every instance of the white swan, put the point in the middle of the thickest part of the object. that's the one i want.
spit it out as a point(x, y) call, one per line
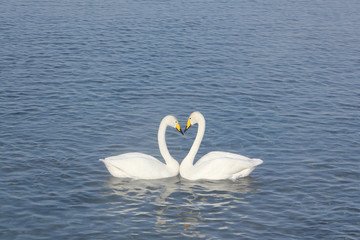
point(214, 165)
point(142, 166)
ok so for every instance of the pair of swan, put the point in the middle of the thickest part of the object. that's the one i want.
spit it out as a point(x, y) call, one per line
point(212, 166)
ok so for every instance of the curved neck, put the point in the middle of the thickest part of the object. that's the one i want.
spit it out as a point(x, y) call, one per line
point(189, 159)
point(170, 161)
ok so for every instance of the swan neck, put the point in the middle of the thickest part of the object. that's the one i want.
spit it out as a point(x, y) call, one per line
point(170, 161)
point(189, 159)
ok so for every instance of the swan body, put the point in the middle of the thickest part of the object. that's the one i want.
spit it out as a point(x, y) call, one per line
point(142, 166)
point(214, 165)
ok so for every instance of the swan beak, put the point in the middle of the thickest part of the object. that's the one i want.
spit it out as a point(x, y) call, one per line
point(179, 128)
point(188, 125)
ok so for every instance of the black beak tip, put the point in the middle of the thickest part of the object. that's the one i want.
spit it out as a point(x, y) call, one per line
point(181, 132)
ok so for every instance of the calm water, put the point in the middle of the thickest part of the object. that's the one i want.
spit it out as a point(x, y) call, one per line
point(83, 80)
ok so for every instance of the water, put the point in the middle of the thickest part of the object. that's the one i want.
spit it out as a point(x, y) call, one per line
point(83, 80)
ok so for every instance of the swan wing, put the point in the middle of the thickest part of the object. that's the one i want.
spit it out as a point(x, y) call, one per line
point(224, 165)
point(135, 165)
point(218, 154)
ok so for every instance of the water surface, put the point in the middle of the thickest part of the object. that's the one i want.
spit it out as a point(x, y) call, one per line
point(83, 80)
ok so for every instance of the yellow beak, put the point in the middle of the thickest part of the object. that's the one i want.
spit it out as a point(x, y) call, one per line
point(188, 125)
point(179, 128)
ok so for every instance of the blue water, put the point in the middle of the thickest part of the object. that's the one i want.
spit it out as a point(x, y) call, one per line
point(83, 80)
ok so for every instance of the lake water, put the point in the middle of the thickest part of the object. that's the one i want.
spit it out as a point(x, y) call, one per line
point(83, 80)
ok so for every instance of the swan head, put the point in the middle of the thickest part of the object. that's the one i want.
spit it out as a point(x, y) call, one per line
point(173, 122)
point(194, 118)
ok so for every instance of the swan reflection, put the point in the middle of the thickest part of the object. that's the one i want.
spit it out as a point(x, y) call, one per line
point(175, 205)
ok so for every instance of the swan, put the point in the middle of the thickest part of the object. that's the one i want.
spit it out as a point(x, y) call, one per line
point(214, 165)
point(142, 166)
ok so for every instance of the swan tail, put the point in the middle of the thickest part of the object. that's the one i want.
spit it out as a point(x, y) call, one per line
point(257, 161)
point(114, 170)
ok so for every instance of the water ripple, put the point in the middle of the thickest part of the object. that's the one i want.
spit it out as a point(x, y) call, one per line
point(82, 81)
